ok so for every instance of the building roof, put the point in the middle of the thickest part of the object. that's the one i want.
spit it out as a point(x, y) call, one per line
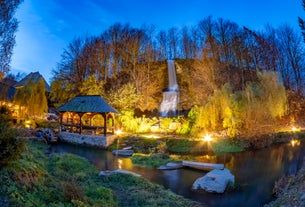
point(85, 104)
point(34, 77)
point(6, 92)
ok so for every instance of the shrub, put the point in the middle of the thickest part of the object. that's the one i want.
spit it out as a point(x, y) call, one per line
point(151, 161)
point(226, 145)
point(72, 191)
point(10, 147)
point(184, 129)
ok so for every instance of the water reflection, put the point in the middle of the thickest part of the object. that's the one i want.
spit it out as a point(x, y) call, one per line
point(255, 172)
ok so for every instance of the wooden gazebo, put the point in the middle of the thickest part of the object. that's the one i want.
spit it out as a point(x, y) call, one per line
point(79, 114)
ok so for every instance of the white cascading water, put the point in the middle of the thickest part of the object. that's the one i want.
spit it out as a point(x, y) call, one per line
point(171, 94)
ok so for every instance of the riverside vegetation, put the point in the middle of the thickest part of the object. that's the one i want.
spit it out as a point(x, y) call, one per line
point(31, 176)
point(150, 152)
point(42, 179)
point(39, 178)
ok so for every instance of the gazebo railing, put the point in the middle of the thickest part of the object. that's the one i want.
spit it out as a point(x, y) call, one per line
point(85, 129)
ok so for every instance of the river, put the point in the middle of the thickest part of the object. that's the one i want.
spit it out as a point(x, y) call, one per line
point(255, 172)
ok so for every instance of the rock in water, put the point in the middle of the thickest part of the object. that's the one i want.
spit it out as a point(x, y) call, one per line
point(108, 172)
point(215, 181)
point(171, 166)
point(122, 152)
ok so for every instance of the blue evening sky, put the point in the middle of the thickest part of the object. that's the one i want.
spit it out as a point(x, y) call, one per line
point(47, 27)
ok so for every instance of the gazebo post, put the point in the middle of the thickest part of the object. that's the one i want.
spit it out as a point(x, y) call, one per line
point(60, 122)
point(80, 122)
point(105, 123)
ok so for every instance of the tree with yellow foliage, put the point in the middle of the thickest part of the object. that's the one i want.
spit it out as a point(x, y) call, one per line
point(33, 98)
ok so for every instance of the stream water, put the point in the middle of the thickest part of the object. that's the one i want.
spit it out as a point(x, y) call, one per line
point(255, 172)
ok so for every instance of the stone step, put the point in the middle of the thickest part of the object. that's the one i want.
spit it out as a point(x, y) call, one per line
point(202, 165)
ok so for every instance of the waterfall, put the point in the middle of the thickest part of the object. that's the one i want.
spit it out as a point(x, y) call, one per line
point(171, 94)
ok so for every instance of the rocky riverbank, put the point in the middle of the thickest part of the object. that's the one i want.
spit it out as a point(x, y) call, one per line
point(290, 190)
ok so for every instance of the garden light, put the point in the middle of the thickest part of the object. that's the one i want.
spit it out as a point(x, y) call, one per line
point(118, 132)
point(207, 138)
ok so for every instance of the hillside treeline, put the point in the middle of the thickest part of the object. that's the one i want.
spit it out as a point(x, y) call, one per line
point(215, 52)
point(128, 64)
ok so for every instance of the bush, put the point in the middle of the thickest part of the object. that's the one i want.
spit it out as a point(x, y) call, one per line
point(226, 145)
point(150, 161)
point(10, 147)
point(72, 191)
point(185, 146)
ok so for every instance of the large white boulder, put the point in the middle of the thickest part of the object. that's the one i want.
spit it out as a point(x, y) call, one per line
point(215, 181)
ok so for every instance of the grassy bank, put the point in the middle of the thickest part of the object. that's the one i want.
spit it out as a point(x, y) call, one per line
point(196, 146)
point(148, 150)
point(39, 179)
point(180, 146)
point(150, 160)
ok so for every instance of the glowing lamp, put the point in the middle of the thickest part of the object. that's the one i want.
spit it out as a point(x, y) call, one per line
point(27, 124)
point(118, 132)
point(207, 138)
point(293, 129)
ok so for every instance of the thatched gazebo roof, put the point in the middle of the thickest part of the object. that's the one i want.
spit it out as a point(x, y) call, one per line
point(91, 104)
point(83, 104)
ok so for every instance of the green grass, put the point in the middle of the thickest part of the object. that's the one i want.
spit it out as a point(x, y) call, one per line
point(139, 144)
point(135, 191)
point(186, 146)
point(149, 161)
point(39, 179)
point(225, 145)
point(177, 146)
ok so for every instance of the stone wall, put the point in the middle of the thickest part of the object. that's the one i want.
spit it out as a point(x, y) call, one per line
point(90, 140)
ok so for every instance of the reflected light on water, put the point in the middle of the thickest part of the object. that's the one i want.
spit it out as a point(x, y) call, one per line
point(295, 142)
point(120, 163)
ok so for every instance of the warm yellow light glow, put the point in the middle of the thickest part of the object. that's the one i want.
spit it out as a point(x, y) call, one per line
point(155, 128)
point(207, 138)
point(27, 124)
point(120, 163)
point(294, 142)
point(293, 129)
point(118, 132)
point(151, 136)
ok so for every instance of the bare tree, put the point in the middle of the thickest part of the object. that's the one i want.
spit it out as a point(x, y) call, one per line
point(290, 46)
point(301, 22)
point(208, 44)
point(173, 43)
point(162, 43)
